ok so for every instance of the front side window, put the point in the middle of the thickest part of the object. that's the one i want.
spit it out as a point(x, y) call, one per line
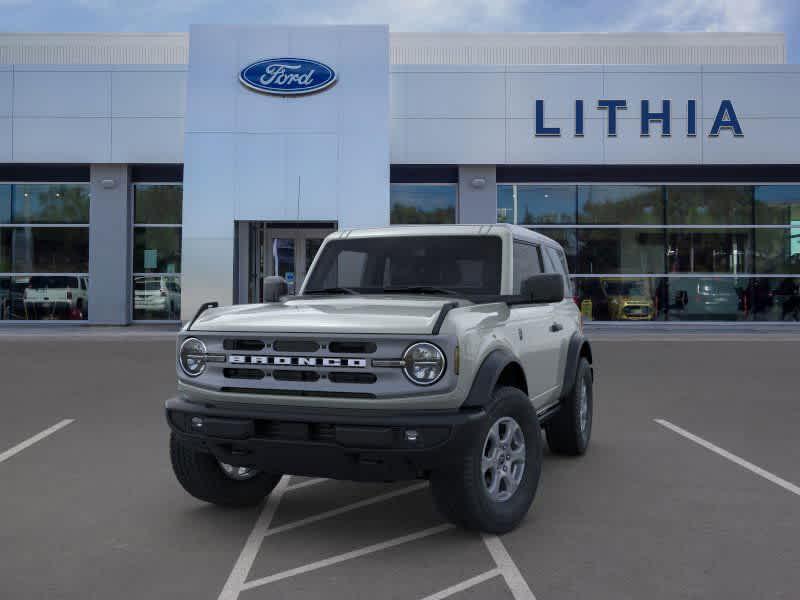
point(469, 265)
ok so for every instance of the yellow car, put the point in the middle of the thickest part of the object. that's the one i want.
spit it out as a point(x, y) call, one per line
point(628, 299)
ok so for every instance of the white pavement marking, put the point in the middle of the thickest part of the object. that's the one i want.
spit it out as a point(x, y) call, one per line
point(333, 560)
point(508, 568)
point(307, 483)
point(344, 509)
point(464, 585)
point(788, 486)
point(241, 568)
point(36, 438)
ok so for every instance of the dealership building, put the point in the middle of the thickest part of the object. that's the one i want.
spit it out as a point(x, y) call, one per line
point(144, 174)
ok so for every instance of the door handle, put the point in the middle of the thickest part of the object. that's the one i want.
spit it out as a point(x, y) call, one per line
point(556, 327)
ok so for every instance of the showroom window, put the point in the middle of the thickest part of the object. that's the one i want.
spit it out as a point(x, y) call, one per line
point(423, 203)
point(157, 213)
point(44, 251)
point(675, 252)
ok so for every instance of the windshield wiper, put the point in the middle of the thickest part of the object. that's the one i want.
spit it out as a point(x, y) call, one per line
point(331, 290)
point(420, 289)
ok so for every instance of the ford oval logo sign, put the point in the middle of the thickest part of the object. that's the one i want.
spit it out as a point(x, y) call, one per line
point(287, 76)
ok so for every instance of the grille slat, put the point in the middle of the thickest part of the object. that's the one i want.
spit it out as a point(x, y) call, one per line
point(295, 346)
point(243, 345)
point(351, 377)
point(353, 347)
point(243, 373)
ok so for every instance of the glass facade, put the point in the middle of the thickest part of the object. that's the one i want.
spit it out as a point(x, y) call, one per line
point(156, 285)
point(44, 251)
point(423, 203)
point(671, 252)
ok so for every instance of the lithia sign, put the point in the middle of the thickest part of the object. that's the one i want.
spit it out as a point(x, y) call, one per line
point(726, 119)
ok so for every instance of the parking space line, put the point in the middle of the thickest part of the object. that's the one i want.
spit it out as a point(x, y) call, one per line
point(241, 568)
point(333, 560)
point(788, 486)
point(33, 439)
point(344, 509)
point(464, 585)
point(508, 568)
point(307, 483)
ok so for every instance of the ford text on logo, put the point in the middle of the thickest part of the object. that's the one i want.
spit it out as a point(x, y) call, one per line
point(725, 120)
point(296, 361)
point(287, 76)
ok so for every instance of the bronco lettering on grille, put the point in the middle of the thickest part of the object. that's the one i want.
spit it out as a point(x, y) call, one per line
point(297, 361)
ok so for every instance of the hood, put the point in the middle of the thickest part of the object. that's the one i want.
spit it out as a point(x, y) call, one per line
point(331, 314)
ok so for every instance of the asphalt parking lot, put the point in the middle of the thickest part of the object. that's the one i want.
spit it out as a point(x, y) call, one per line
point(689, 490)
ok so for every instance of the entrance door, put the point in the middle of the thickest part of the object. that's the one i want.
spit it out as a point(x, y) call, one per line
point(286, 250)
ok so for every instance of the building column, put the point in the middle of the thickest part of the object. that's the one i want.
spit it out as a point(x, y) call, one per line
point(109, 245)
point(477, 194)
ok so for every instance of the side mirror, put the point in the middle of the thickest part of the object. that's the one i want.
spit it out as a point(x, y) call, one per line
point(543, 288)
point(274, 288)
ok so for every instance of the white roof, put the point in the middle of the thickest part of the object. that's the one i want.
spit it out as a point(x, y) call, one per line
point(501, 229)
point(528, 48)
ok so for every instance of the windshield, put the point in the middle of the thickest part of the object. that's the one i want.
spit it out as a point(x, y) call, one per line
point(468, 265)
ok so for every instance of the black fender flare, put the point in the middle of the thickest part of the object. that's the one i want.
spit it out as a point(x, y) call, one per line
point(480, 394)
point(577, 343)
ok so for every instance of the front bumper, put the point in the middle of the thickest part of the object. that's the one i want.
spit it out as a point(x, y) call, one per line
point(343, 444)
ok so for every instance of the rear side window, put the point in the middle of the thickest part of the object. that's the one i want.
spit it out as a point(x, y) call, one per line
point(527, 262)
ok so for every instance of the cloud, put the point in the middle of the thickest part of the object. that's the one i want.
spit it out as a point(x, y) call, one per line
point(705, 15)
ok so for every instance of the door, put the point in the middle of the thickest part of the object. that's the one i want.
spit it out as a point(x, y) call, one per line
point(283, 250)
point(534, 340)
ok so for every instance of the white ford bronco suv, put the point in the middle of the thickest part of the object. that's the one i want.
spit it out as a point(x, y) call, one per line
point(434, 352)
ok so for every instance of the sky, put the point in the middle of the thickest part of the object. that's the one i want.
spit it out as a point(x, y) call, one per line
point(414, 15)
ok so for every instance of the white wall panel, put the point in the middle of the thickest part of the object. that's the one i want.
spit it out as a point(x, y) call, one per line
point(6, 87)
point(455, 95)
point(255, 197)
point(753, 94)
point(678, 87)
point(79, 140)
point(363, 192)
point(455, 141)
point(312, 162)
point(5, 139)
point(558, 90)
point(209, 178)
point(524, 147)
point(765, 141)
point(62, 93)
point(147, 140)
point(629, 148)
point(210, 89)
point(148, 93)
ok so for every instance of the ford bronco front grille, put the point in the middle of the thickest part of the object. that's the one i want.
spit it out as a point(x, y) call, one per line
point(325, 366)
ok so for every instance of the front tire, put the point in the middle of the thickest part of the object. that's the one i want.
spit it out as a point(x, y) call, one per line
point(569, 431)
point(480, 493)
point(203, 477)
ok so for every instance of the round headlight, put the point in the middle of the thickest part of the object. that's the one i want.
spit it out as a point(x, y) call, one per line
point(425, 363)
point(191, 357)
